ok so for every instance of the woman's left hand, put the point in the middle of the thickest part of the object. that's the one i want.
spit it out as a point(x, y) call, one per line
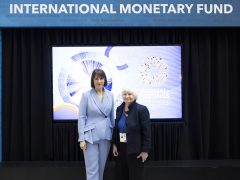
point(143, 155)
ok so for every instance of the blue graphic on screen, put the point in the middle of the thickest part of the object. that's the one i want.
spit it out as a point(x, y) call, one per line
point(154, 72)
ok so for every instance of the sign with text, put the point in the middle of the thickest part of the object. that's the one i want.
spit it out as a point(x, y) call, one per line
point(120, 13)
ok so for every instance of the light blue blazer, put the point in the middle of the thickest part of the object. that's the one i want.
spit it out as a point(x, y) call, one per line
point(96, 118)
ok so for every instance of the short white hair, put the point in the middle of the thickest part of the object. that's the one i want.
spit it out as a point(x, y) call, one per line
point(132, 90)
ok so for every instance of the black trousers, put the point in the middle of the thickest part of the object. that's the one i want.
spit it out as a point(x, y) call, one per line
point(128, 166)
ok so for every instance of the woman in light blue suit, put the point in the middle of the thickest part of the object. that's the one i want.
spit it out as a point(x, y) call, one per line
point(95, 125)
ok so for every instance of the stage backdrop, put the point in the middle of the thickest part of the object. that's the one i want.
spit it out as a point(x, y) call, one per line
point(211, 129)
point(121, 13)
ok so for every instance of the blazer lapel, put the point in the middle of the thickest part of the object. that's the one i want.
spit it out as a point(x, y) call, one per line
point(101, 105)
point(106, 102)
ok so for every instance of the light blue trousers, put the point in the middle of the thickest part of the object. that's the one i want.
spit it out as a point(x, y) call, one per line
point(95, 157)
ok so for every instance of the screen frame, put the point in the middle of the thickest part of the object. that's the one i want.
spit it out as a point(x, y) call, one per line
point(154, 120)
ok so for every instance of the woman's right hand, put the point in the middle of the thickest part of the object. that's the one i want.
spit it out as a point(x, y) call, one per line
point(115, 150)
point(83, 145)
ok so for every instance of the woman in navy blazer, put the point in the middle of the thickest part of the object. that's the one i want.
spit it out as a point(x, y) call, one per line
point(131, 137)
point(95, 125)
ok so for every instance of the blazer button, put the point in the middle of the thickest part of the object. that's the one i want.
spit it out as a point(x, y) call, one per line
point(105, 116)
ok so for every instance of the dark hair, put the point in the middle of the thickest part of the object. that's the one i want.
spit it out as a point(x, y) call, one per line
point(100, 73)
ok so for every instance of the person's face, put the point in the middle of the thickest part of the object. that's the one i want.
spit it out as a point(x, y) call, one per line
point(98, 82)
point(128, 97)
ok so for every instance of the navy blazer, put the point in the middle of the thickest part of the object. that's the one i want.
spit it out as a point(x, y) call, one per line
point(96, 119)
point(138, 128)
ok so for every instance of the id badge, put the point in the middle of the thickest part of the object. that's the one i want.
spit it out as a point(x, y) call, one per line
point(123, 137)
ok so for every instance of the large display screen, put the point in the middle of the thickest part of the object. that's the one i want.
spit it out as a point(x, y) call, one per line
point(154, 72)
